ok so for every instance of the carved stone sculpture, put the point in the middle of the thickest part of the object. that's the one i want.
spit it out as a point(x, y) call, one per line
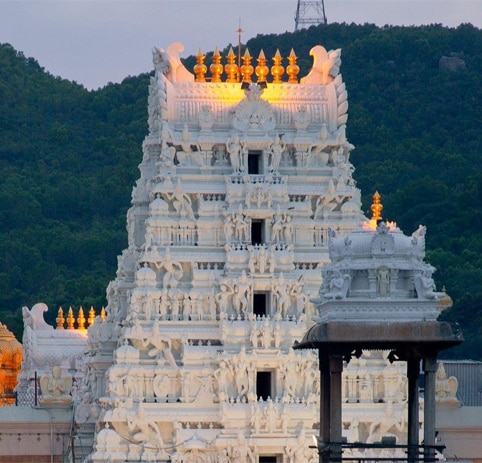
point(56, 388)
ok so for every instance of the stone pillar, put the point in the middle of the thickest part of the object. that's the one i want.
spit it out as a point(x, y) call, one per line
point(430, 368)
point(413, 365)
point(324, 363)
point(336, 368)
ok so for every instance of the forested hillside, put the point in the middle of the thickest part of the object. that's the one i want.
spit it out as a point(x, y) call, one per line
point(68, 160)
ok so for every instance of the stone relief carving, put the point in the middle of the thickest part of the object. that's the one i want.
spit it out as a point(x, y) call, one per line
point(326, 66)
point(445, 387)
point(253, 113)
point(56, 388)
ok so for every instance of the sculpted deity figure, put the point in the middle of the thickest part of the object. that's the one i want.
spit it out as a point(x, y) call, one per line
point(339, 285)
point(290, 372)
point(297, 450)
point(254, 337)
point(56, 388)
point(425, 287)
point(326, 203)
point(445, 388)
point(282, 294)
point(287, 229)
point(241, 226)
point(276, 150)
point(299, 296)
point(223, 297)
point(206, 117)
point(384, 426)
point(185, 143)
point(159, 344)
point(271, 417)
point(181, 202)
point(383, 280)
point(266, 332)
point(223, 456)
point(173, 269)
point(241, 452)
point(235, 150)
point(222, 377)
point(262, 259)
point(241, 294)
point(256, 418)
point(301, 118)
point(229, 228)
point(242, 370)
point(144, 430)
point(277, 228)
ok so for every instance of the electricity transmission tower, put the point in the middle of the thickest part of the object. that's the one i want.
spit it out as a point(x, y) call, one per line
point(309, 13)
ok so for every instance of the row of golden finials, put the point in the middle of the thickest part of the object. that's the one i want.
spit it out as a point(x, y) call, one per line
point(81, 320)
point(244, 72)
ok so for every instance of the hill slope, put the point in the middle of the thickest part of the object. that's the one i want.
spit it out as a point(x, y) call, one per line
point(68, 159)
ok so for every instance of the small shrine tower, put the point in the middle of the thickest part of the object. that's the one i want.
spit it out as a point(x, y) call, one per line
point(378, 294)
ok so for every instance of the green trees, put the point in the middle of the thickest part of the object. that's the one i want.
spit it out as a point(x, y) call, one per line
point(68, 160)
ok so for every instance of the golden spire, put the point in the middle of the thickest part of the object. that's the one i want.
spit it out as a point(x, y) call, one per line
point(102, 314)
point(216, 67)
point(292, 69)
point(60, 319)
point(277, 70)
point(81, 319)
point(200, 68)
point(261, 69)
point(376, 208)
point(91, 318)
point(246, 69)
point(70, 319)
point(231, 68)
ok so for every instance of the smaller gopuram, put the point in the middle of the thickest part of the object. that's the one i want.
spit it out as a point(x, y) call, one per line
point(10, 362)
point(378, 295)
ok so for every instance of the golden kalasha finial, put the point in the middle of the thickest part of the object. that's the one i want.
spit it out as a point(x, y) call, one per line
point(91, 318)
point(216, 67)
point(102, 314)
point(261, 69)
point(200, 68)
point(292, 69)
point(231, 68)
point(376, 208)
point(277, 70)
point(81, 319)
point(70, 319)
point(60, 319)
point(246, 69)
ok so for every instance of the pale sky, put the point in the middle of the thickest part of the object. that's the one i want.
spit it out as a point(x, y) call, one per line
point(101, 41)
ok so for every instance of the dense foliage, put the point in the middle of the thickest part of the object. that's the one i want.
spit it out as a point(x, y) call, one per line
point(68, 158)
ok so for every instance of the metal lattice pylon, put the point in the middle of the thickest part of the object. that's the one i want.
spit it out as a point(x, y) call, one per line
point(309, 13)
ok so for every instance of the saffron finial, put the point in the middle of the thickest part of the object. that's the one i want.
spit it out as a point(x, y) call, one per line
point(231, 67)
point(81, 319)
point(277, 70)
point(292, 69)
point(200, 68)
point(91, 318)
point(60, 319)
point(216, 67)
point(377, 207)
point(70, 319)
point(246, 69)
point(261, 69)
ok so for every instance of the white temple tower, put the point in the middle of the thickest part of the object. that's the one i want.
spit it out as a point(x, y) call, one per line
point(239, 184)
